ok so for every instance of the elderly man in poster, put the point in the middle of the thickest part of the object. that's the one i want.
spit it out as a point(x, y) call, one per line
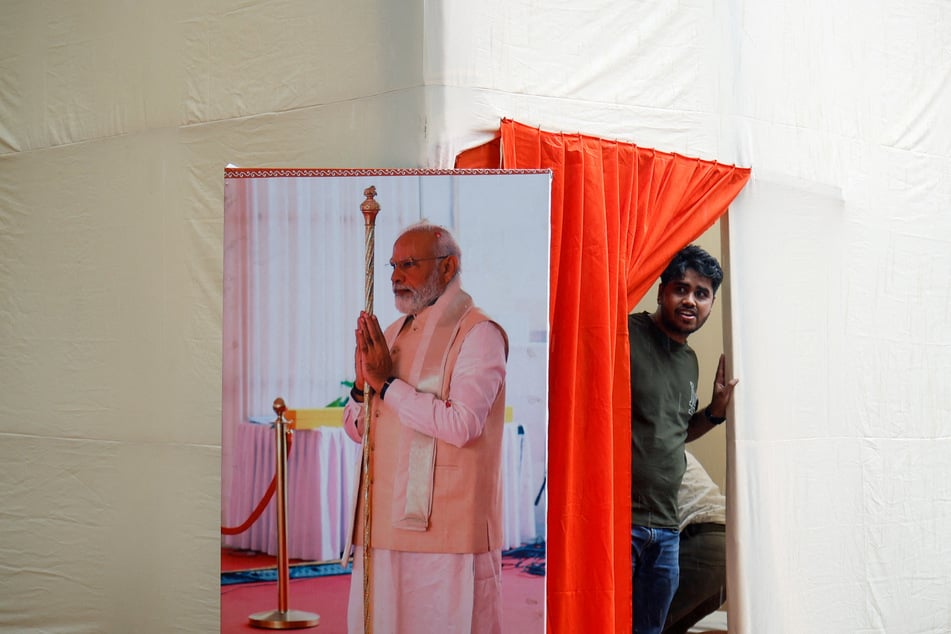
point(438, 381)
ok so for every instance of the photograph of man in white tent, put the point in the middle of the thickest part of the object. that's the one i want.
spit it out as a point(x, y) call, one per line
point(805, 145)
point(455, 465)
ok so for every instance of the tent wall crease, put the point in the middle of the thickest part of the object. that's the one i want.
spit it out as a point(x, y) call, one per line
point(116, 123)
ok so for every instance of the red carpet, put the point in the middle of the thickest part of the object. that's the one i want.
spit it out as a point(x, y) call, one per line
point(523, 597)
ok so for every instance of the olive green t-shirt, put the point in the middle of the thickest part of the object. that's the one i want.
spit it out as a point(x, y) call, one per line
point(664, 377)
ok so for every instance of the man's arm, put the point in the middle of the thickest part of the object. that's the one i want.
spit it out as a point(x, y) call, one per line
point(476, 380)
point(715, 413)
point(353, 420)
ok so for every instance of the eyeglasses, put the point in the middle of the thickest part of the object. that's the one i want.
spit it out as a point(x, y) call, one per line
point(411, 263)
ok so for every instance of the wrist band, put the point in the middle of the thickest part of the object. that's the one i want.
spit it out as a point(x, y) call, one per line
point(386, 386)
point(716, 420)
point(356, 394)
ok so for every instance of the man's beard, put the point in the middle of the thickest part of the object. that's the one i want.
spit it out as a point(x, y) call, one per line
point(671, 324)
point(420, 298)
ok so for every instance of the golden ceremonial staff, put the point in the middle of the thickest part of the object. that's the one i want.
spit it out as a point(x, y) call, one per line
point(370, 209)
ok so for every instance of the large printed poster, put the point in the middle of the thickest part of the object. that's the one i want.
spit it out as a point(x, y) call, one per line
point(295, 279)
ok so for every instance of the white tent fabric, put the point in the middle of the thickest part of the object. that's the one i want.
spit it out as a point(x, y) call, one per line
point(116, 120)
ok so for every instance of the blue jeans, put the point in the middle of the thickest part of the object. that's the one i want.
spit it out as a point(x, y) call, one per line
point(655, 553)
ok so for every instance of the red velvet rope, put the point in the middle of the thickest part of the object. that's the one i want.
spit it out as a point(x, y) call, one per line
point(256, 513)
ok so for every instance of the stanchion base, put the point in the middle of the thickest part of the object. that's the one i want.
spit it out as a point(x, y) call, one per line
point(290, 620)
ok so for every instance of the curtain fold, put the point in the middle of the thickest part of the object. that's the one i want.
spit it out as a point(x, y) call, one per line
point(618, 214)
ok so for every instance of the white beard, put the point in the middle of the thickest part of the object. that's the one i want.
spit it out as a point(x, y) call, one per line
point(421, 297)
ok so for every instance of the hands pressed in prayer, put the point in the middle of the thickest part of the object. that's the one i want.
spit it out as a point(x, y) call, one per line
point(373, 362)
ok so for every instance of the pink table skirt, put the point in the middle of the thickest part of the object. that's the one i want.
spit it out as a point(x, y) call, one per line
point(321, 476)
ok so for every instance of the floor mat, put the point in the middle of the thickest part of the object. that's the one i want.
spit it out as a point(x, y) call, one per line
point(300, 571)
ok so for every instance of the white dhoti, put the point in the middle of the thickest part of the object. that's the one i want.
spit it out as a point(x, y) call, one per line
point(429, 593)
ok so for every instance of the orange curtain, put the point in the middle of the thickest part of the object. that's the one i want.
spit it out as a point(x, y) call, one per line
point(618, 214)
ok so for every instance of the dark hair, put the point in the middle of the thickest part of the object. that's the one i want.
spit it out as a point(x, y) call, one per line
point(693, 257)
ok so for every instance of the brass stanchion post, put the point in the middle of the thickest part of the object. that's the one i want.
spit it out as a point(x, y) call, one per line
point(282, 618)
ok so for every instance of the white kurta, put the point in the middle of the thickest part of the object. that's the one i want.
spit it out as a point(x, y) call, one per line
point(437, 593)
point(429, 593)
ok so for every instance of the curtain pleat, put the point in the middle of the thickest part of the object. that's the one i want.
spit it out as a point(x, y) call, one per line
point(618, 214)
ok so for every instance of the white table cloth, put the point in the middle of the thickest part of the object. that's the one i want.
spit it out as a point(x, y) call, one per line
point(321, 473)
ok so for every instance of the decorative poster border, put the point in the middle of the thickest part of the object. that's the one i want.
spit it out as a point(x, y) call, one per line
point(278, 172)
